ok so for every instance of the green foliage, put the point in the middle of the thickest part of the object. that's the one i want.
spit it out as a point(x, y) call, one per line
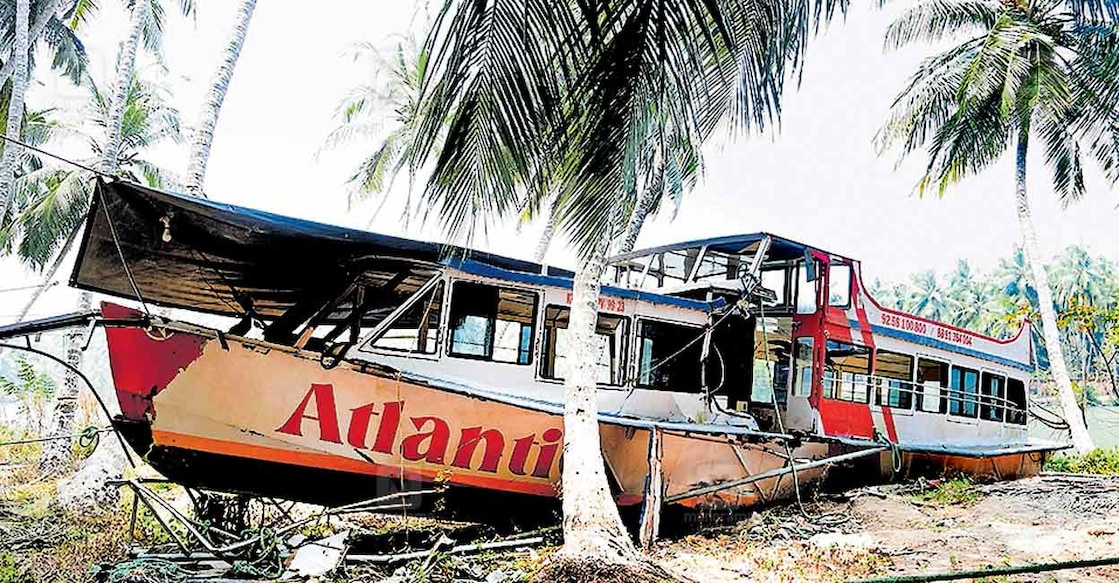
point(580, 107)
point(11, 571)
point(958, 490)
point(1097, 461)
point(29, 382)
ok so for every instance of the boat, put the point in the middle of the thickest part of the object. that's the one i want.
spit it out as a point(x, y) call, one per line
point(329, 365)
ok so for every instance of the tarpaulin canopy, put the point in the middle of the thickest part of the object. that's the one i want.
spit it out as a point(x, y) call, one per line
point(187, 252)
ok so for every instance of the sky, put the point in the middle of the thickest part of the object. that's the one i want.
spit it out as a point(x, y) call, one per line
point(819, 179)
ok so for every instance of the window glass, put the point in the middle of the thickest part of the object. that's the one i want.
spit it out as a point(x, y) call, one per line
point(612, 334)
point(774, 281)
point(1016, 397)
point(803, 382)
point(896, 371)
point(839, 285)
point(993, 390)
point(806, 292)
point(846, 372)
point(663, 361)
point(932, 378)
point(962, 399)
point(715, 266)
point(417, 329)
point(492, 323)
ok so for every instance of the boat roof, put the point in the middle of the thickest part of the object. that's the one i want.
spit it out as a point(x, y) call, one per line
point(780, 249)
point(187, 252)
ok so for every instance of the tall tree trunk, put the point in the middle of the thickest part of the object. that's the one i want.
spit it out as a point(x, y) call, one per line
point(15, 105)
point(56, 453)
point(1077, 429)
point(640, 212)
point(211, 107)
point(37, 28)
point(546, 237)
point(592, 527)
point(126, 68)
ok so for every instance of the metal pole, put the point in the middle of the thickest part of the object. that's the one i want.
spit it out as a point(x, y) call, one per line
point(772, 473)
point(995, 572)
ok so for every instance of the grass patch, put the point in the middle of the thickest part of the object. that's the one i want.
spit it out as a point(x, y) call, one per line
point(1104, 462)
point(954, 491)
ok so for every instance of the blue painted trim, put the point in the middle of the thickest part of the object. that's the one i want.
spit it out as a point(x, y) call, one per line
point(940, 344)
point(485, 270)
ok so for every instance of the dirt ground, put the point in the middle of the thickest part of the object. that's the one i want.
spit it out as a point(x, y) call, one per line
point(915, 528)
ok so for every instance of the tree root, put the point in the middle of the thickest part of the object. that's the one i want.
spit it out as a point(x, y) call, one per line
point(563, 569)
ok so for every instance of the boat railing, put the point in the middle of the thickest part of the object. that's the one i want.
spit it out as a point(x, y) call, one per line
point(904, 394)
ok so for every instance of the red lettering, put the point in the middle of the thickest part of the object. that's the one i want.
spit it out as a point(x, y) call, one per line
point(359, 425)
point(386, 430)
point(468, 442)
point(327, 414)
point(436, 439)
point(521, 447)
point(547, 455)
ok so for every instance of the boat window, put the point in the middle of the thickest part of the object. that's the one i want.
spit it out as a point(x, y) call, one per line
point(932, 378)
point(417, 329)
point(668, 356)
point(839, 285)
point(806, 292)
point(611, 338)
point(963, 398)
point(994, 391)
point(1016, 397)
point(774, 280)
point(492, 323)
point(896, 371)
point(803, 384)
point(846, 369)
point(716, 266)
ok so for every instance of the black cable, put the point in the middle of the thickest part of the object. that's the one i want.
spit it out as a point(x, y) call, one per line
point(56, 156)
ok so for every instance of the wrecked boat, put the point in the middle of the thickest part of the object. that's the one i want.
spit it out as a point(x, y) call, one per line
point(328, 365)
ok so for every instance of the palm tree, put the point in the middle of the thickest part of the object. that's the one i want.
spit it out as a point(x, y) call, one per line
point(1009, 78)
point(927, 297)
point(50, 202)
point(385, 109)
point(574, 107)
point(211, 107)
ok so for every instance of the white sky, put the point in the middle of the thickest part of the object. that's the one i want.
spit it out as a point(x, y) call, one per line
point(819, 181)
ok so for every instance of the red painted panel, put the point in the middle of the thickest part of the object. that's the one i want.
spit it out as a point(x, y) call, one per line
point(842, 418)
point(143, 362)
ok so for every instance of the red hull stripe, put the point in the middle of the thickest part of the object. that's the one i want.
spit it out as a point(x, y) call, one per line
point(339, 463)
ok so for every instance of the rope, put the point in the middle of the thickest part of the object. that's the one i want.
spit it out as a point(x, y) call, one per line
point(994, 572)
point(27, 287)
point(120, 253)
point(87, 437)
point(85, 379)
point(55, 156)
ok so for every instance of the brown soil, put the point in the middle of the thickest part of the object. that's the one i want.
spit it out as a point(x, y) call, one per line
point(894, 530)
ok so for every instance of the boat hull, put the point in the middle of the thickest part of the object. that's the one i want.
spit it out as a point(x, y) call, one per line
point(238, 415)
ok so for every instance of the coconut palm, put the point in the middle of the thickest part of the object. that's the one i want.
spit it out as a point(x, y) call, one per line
point(386, 109)
point(1007, 79)
point(927, 297)
point(575, 107)
point(22, 24)
point(211, 106)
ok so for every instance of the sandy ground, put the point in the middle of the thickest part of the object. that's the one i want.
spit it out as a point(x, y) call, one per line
point(892, 530)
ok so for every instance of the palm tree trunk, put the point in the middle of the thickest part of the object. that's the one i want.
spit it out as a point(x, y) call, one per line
point(126, 68)
point(1078, 430)
point(546, 237)
point(592, 527)
point(57, 453)
point(37, 28)
point(211, 107)
point(640, 212)
point(15, 104)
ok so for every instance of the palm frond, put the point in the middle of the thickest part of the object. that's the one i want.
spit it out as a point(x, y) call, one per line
point(937, 20)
